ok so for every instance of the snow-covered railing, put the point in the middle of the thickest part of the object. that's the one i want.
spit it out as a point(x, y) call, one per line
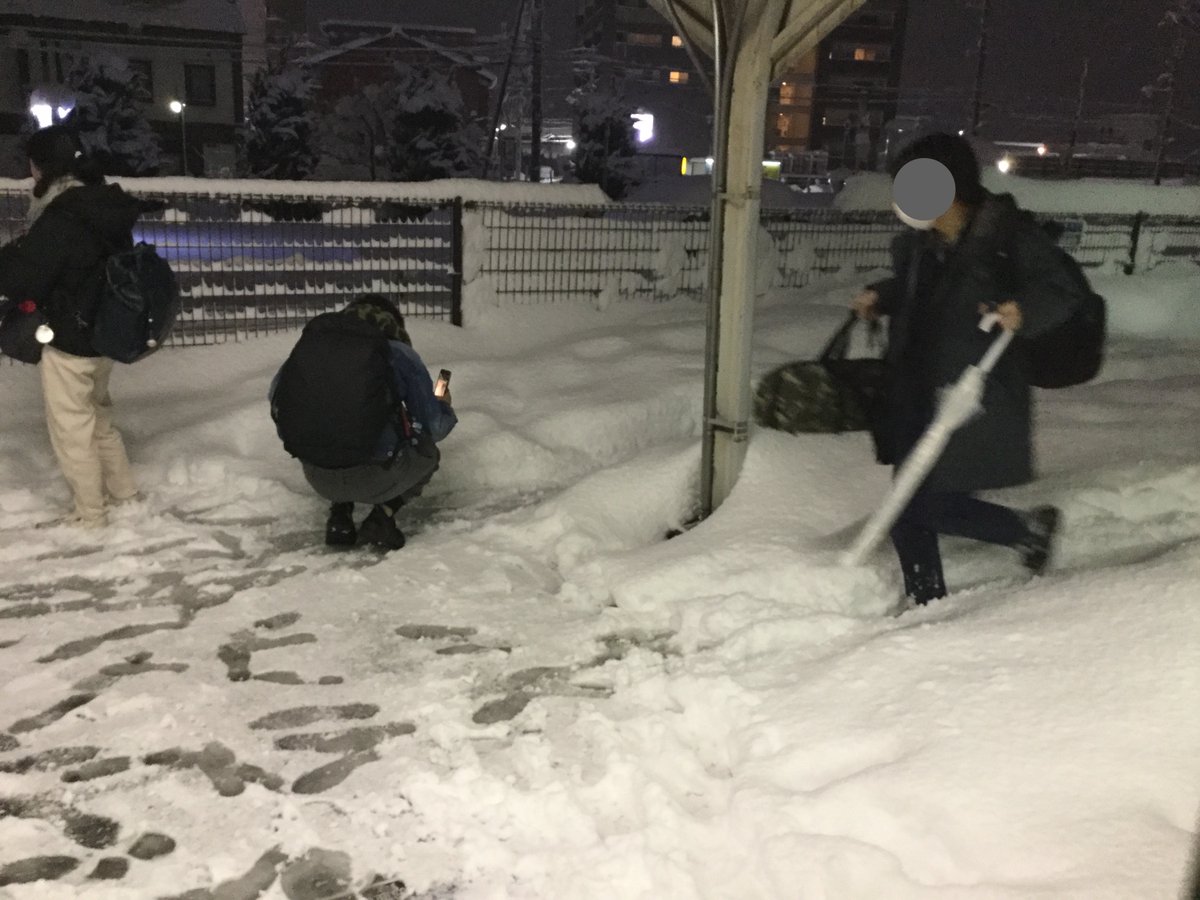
point(251, 263)
point(257, 257)
point(535, 253)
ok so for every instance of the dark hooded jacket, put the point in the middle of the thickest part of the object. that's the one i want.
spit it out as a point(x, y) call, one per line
point(59, 263)
point(933, 302)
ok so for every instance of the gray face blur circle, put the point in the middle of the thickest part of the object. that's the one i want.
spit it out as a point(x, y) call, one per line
point(923, 189)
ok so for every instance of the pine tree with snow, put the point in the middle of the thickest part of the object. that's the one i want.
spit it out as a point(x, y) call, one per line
point(604, 141)
point(109, 118)
point(279, 137)
point(357, 132)
point(432, 135)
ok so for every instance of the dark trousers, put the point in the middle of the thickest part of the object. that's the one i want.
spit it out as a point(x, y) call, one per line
point(376, 483)
point(930, 513)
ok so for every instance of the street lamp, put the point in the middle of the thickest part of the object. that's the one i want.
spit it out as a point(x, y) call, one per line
point(179, 108)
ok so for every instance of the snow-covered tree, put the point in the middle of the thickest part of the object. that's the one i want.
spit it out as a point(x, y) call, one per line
point(358, 131)
point(279, 137)
point(431, 136)
point(109, 118)
point(604, 140)
point(1184, 14)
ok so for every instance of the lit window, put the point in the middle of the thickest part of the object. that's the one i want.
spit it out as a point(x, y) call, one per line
point(864, 54)
point(676, 41)
point(644, 40)
point(677, 77)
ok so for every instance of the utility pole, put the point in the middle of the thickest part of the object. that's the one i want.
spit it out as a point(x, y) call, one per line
point(980, 65)
point(494, 130)
point(1070, 154)
point(535, 89)
point(1167, 82)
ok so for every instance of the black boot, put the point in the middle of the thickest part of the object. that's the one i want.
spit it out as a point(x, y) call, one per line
point(924, 584)
point(379, 529)
point(339, 527)
point(1037, 548)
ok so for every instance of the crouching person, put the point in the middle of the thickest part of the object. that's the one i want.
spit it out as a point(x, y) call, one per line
point(355, 404)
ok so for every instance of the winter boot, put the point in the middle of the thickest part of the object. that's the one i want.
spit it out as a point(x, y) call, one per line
point(1037, 548)
point(339, 527)
point(379, 529)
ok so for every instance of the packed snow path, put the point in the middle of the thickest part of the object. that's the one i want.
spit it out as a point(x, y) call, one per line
point(540, 697)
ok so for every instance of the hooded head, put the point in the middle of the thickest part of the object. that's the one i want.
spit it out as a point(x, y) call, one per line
point(382, 313)
point(55, 153)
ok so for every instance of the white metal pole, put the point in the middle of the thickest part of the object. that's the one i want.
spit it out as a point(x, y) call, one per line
point(751, 63)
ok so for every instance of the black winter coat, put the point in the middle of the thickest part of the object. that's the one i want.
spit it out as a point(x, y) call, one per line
point(59, 263)
point(933, 302)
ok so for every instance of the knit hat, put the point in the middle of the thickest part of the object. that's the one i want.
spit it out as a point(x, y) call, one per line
point(382, 313)
point(956, 154)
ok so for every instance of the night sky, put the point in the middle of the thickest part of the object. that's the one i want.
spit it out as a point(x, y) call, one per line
point(1036, 50)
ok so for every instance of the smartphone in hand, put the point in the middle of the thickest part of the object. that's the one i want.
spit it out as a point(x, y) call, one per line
point(442, 385)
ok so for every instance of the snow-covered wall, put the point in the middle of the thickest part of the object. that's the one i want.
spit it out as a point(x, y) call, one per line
point(469, 189)
point(1087, 196)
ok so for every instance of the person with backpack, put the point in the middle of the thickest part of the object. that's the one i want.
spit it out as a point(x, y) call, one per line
point(56, 271)
point(355, 404)
point(983, 254)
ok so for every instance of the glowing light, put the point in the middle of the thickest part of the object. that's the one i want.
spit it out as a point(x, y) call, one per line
point(961, 132)
point(176, 107)
point(571, 145)
point(643, 124)
point(64, 111)
point(44, 113)
point(683, 166)
point(1042, 151)
point(1005, 165)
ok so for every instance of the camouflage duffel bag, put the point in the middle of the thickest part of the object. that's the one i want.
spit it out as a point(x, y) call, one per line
point(828, 395)
point(813, 398)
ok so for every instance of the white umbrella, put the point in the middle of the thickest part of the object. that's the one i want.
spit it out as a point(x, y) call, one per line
point(958, 406)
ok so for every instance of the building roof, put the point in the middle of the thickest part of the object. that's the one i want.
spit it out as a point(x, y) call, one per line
point(193, 15)
point(413, 33)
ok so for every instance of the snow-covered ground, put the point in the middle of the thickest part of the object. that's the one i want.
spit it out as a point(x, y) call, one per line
point(541, 697)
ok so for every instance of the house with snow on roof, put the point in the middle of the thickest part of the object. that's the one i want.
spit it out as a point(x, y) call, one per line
point(358, 54)
point(188, 51)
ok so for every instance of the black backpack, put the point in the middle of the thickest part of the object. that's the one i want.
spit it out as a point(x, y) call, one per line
point(1073, 352)
point(336, 395)
point(138, 303)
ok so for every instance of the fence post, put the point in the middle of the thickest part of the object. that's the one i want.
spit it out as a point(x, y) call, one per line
point(456, 251)
point(1135, 235)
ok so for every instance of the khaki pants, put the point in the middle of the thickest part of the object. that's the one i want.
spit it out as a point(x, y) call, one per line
point(79, 415)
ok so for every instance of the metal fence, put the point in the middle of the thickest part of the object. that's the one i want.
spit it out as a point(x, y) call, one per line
point(534, 253)
point(251, 264)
